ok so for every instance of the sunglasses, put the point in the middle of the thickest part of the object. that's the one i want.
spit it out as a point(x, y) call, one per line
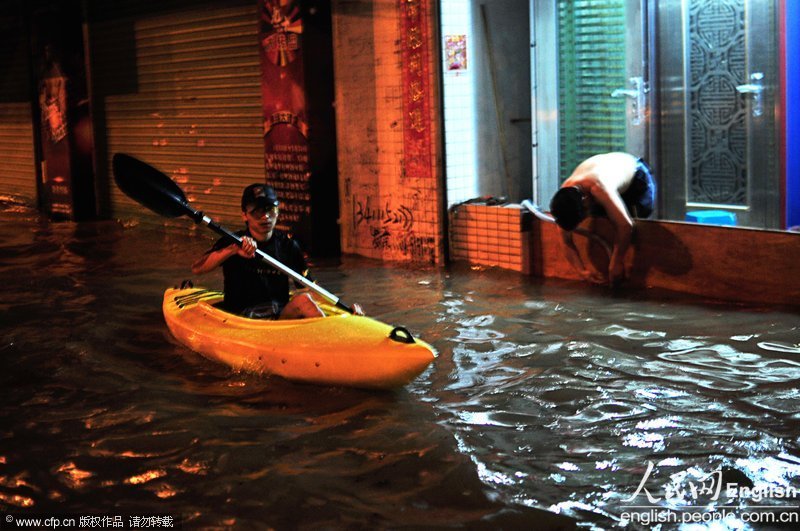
point(259, 212)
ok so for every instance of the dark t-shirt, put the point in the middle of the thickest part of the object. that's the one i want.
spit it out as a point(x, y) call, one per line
point(252, 282)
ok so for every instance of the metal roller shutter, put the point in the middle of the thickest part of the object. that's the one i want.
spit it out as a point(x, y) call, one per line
point(180, 90)
point(17, 154)
point(18, 170)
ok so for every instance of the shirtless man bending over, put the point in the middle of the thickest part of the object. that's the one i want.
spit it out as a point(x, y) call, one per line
point(614, 185)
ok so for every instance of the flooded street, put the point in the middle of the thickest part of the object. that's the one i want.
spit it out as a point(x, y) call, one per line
point(545, 396)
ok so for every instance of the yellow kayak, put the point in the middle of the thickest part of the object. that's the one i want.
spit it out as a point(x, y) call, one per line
point(340, 349)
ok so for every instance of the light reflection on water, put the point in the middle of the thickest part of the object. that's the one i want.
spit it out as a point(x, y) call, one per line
point(617, 384)
point(544, 396)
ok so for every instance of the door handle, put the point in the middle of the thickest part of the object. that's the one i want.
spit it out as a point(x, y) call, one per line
point(636, 94)
point(755, 89)
point(619, 93)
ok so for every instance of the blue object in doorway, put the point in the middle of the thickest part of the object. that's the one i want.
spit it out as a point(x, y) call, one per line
point(712, 217)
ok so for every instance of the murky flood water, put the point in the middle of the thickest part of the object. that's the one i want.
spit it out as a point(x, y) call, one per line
point(551, 396)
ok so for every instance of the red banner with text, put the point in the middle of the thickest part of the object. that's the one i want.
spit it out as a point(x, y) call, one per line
point(416, 89)
point(286, 147)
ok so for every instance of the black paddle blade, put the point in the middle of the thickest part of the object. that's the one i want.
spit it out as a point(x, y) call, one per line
point(149, 187)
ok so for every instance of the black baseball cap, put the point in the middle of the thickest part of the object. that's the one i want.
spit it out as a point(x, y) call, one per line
point(259, 195)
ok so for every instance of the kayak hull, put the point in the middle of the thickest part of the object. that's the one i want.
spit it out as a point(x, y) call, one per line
point(340, 349)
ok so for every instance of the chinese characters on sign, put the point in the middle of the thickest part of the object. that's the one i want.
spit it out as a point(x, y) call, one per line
point(286, 149)
point(416, 90)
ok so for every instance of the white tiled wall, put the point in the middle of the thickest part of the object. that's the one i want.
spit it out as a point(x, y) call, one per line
point(459, 107)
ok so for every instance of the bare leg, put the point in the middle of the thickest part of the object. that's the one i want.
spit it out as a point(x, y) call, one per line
point(301, 306)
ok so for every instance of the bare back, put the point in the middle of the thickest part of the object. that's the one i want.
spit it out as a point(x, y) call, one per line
point(613, 171)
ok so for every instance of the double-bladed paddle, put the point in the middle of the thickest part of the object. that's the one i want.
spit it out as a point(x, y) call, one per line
point(154, 190)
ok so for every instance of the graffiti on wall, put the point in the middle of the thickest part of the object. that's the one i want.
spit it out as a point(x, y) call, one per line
point(391, 227)
point(387, 151)
point(401, 216)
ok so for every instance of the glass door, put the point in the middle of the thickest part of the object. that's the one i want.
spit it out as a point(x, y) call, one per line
point(598, 53)
point(718, 81)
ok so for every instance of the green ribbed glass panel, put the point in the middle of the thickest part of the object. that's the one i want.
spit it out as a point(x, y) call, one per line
point(591, 65)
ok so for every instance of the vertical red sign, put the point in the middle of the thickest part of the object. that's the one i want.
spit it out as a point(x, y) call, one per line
point(416, 91)
point(56, 170)
point(65, 126)
point(286, 147)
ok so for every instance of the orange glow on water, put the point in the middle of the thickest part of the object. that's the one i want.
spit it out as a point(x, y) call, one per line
point(13, 483)
point(166, 491)
point(193, 467)
point(131, 454)
point(74, 476)
point(16, 500)
point(150, 475)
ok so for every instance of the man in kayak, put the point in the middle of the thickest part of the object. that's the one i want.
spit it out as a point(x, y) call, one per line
point(614, 185)
point(253, 288)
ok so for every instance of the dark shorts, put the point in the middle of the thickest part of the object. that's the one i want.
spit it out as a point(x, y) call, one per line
point(640, 197)
point(270, 310)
